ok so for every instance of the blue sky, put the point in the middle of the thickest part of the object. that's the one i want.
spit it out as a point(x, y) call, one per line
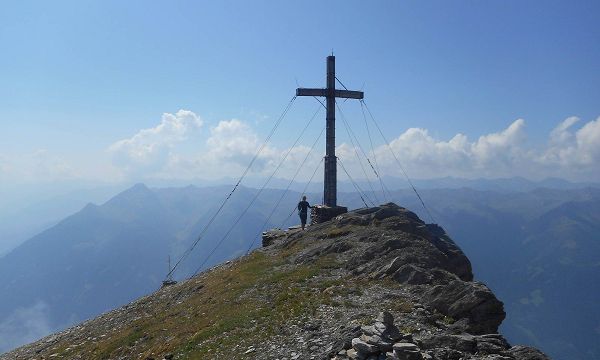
point(80, 76)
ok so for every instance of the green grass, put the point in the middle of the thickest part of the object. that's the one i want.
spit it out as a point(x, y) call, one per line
point(239, 305)
point(341, 231)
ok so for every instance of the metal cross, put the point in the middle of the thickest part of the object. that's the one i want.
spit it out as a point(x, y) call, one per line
point(330, 93)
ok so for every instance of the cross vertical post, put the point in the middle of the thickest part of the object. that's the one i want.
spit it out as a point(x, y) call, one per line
point(330, 93)
point(330, 183)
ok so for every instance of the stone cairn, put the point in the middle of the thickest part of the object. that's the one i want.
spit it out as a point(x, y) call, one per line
point(382, 341)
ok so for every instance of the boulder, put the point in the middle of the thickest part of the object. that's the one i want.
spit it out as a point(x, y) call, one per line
point(470, 300)
point(491, 344)
point(464, 343)
point(363, 347)
point(527, 353)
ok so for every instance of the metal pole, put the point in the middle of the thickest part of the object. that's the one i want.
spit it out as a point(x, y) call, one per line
point(330, 185)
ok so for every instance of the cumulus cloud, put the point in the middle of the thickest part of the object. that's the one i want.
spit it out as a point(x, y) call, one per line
point(233, 144)
point(234, 141)
point(587, 143)
point(150, 149)
point(573, 150)
point(504, 153)
point(501, 148)
point(176, 148)
point(561, 134)
point(426, 156)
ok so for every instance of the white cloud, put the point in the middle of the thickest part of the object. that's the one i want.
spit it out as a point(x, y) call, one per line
point(573, 151)
point(233, 141)
point(424, 156)
point(588, 143)
point(505, 153)
point(501, 148)
point(233, 144)
point(501, 154)
point(561, 134)
point(149, 150)
point(177, 149)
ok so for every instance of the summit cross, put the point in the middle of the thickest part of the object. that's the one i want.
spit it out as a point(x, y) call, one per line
point(330, 93)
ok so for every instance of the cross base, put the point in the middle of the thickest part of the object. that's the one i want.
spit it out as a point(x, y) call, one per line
point(321, 213)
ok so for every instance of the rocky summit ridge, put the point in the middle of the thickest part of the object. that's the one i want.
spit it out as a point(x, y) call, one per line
point(375, 283)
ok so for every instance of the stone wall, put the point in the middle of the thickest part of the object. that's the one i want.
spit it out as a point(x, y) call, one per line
point(322, 213)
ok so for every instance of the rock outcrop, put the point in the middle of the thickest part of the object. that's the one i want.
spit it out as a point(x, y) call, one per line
point(375, 283)
point(410, 252)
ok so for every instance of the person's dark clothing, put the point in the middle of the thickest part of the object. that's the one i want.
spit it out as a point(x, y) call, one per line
point(303, 216)
point(303, 206)
point(303, 210)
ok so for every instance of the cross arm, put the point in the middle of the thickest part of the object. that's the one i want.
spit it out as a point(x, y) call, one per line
point(311, 92)
point(349, 94)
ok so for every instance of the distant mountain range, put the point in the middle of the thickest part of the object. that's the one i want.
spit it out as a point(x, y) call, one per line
point(537, 249)
point(513, 184)
point(27, 210)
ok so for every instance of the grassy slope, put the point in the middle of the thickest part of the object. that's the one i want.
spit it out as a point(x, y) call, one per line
point(221, 312)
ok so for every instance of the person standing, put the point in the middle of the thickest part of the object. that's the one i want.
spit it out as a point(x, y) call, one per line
point(303, 210)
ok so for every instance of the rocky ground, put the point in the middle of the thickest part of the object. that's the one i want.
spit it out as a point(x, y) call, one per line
point(376, 283)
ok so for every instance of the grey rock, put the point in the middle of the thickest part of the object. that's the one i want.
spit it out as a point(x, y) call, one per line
point(404, 346)
point(491, 344)
point(352, 354)
point(409, 355)
point(407, 351)
point(386, 318)
point(392, 333)
point(447, 354)
point(413, 275)
point(371, 330)
point(471, 300)
point(463, 343)
point(362, 346)
point(391, 356)
point(457, 263)
point(380, 327)
point(390, 268)
point(269, 237)
point(382, 344)
point(527, 353)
